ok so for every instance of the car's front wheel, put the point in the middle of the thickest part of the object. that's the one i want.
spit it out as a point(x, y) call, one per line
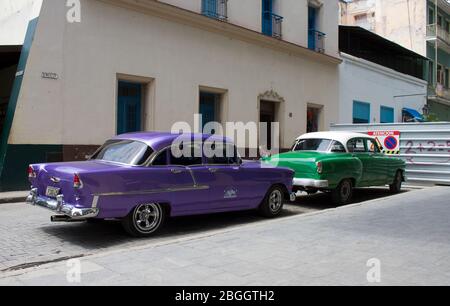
point(144, 220)
point(272, 204)
point(343, 193)
point(396, 185)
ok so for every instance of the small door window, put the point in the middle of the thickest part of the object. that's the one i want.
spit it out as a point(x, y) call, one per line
point(372, 146)
point(220, 153)
point(356, 145)
point(338, 147)
point(160, 159)
point(186, 155)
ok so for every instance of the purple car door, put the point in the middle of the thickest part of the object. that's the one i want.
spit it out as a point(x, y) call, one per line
point(226, 179)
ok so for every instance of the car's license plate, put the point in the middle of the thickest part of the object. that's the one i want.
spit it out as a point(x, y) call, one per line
point(52, 192)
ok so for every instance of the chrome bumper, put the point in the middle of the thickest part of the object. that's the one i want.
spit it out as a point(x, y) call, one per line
point(59, 206)
point(310, 183)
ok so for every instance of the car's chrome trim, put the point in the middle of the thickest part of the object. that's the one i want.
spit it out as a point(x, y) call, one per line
point(151, 191)
point(310, 183)
point(58, 205)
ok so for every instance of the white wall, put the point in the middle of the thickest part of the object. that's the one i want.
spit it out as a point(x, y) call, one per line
point(80, 107)
point(364, 81)
point(248, 14)
point(14, 18)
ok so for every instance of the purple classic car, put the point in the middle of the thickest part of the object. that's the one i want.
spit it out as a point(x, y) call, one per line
point(141, 178)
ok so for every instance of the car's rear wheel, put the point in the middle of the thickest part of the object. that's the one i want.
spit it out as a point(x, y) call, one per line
point(272, 204)
point(396, 185)
point(144, 220)
point(343, 193)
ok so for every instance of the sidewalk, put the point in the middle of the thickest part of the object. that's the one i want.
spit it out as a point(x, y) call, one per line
point(13, 196)
point(408, 233)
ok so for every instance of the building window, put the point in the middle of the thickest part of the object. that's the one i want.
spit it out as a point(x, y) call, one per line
point(430, 16)
point(271, 22)
point(129, 107)
point(386, 114)
point(209, 109)
point(440, 74)
point(439, 20)
point(316, 38)
point(217, 9)
point(361, 112)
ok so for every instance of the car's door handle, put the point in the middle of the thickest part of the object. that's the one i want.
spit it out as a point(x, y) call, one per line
point(213, 170)
point(176, 171)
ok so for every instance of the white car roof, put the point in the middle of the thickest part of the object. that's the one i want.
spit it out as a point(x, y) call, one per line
point(342, 137)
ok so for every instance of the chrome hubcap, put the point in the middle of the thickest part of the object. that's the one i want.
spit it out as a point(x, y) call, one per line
point(275, 200)
point(147, 217)
point(345, 190)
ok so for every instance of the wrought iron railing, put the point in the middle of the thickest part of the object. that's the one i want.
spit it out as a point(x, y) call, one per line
point(317, 41)
point(217, 9)
point(273, 25)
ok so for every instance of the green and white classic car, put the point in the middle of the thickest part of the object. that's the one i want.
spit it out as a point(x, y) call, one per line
point(337, 162)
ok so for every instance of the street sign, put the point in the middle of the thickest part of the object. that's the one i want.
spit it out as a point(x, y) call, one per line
point(389, 141)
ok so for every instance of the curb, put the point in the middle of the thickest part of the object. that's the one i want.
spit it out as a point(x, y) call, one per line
point(17, 198)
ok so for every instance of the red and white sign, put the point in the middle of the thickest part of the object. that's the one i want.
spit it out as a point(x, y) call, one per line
point(389, 141)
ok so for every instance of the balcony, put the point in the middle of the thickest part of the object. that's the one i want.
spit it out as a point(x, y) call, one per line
point(438, 91)
point(272, 25)
point(316, 41)
point(217, 9)
point(437, 33)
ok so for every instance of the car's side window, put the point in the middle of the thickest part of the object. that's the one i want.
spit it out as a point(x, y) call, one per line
point(337, 147)
point(186, 156)
point(372, 146)
point(221, 154)
point(356, 145)
point(160, 159)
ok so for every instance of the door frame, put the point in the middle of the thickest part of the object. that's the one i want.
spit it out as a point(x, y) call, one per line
point(274, 97)
point(148, 98)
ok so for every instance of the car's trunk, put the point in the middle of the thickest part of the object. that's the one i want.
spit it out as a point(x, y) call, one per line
point(304, 163)
point(61, 176)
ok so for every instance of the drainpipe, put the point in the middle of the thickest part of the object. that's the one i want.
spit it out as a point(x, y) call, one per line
point(436, 46)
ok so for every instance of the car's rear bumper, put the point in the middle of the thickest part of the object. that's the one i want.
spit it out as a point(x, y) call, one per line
point(310, 183)
point(60, 207)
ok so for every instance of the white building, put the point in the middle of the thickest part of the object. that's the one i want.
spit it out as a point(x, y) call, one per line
point(380, 81)
point(105, 67)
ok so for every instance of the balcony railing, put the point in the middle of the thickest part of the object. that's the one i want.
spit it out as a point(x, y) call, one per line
point(436, 31)
point(316, 41)
point(272, 25)
point(217, 9)
point(439, 91)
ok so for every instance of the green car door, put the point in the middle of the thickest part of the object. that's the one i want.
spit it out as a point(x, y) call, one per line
point(373, 172)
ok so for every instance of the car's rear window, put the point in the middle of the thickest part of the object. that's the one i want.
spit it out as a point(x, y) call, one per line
point(321, 145)
point(128, 152)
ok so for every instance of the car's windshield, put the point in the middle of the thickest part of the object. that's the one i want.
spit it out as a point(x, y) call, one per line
point(321, 145)
point(124, 151)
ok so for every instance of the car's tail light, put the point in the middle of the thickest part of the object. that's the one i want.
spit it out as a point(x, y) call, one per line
point(31, 172)
point(319, 167)
point(77, 183)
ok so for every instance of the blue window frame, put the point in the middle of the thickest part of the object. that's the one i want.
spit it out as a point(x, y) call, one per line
point(209, 8)
point(267, 11)
point(208, 107)
point(361, 112)
point(386, 114)
point(312, 27)
point(129, 108)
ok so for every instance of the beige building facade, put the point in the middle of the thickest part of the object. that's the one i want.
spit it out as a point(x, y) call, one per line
point(145, 65)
